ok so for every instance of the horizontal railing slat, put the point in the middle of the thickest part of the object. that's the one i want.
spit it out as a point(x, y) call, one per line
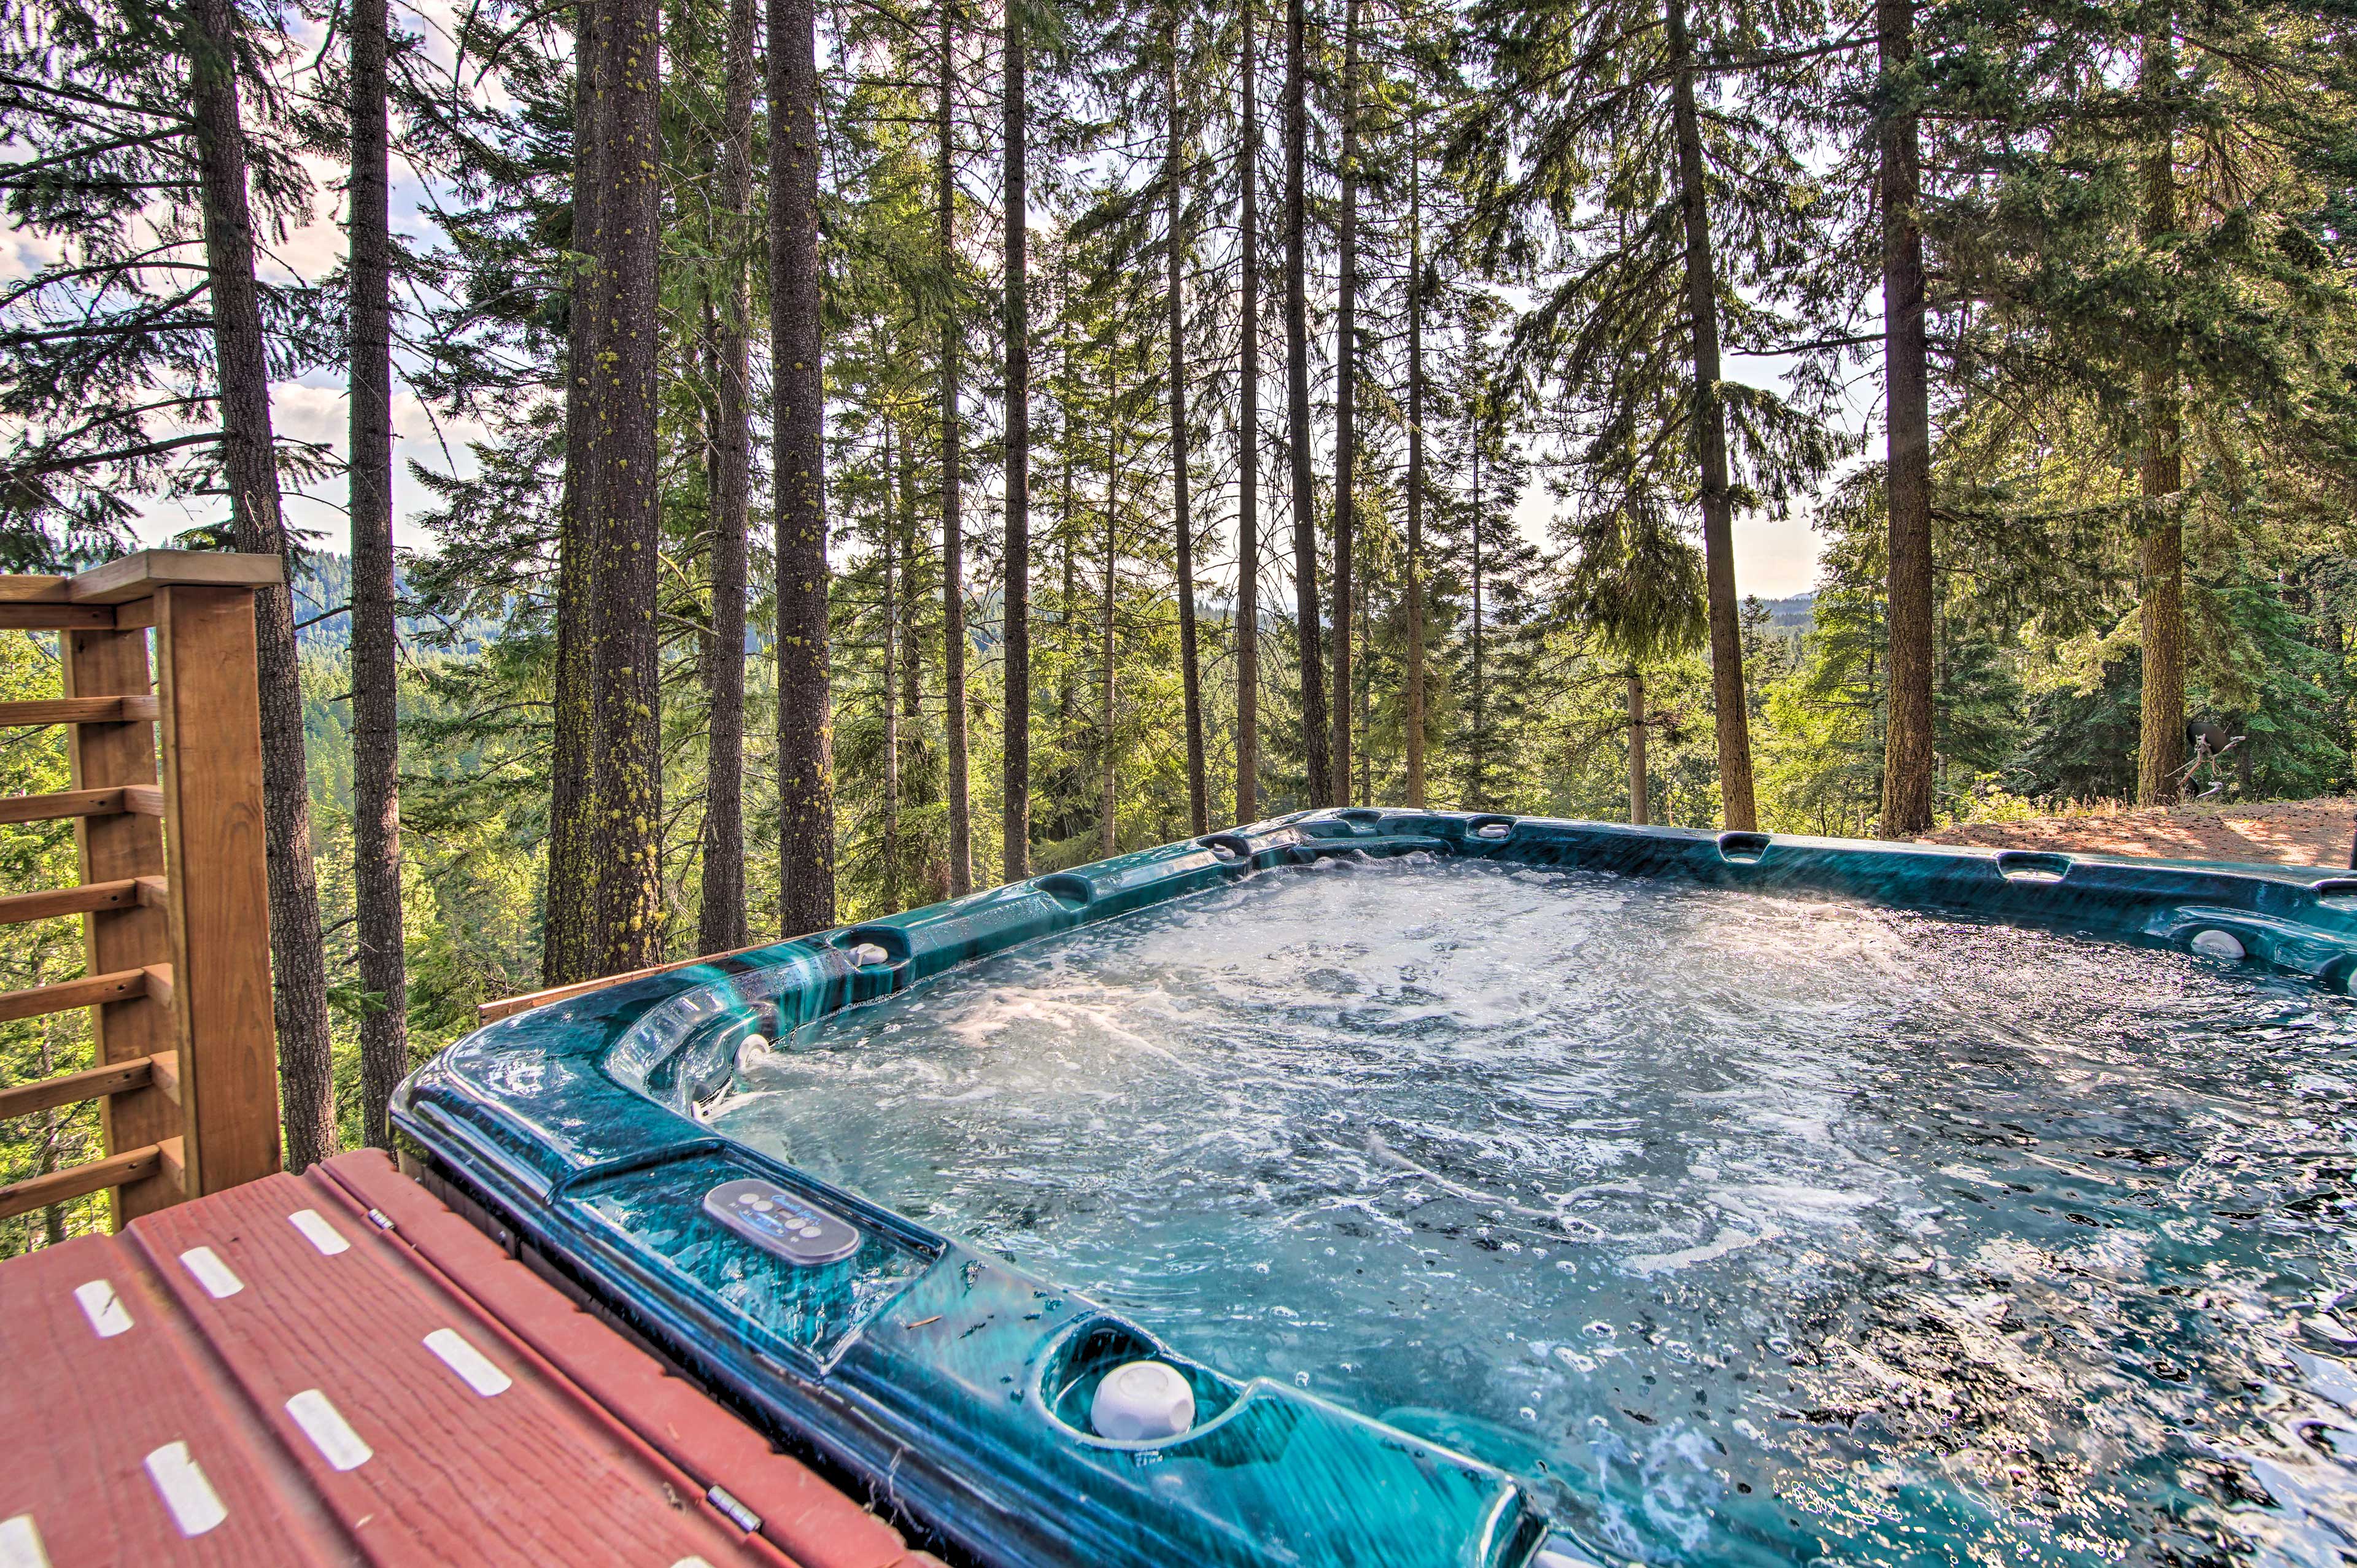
point(23, 617)
point(73, 1088)
point(49, 903)
point(81, 1181)
point(60, 804)
point(77, 711)
point(119, 985)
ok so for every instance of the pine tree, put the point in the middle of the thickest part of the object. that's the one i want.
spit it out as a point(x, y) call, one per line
point(1016, 811)
point(721, 925)
point(797, 379)
point(376, 747)
point(249, 470)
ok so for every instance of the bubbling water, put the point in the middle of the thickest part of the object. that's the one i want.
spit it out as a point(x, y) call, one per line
point(1745, 1230)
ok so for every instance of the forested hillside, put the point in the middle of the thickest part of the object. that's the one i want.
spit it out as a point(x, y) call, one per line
point(872, 451)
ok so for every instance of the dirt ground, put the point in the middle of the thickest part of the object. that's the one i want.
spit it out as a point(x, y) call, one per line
point(2285, 833)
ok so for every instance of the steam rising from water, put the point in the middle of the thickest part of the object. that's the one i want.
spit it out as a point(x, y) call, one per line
point(1749, 1231)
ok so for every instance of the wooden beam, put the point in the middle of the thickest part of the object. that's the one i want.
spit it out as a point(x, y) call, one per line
point(35, 1001)
point(128, 845)
point(218, 892)
point(73, 1088)
point(31, 590)
point(55, 617)
point(60, 804)
point(143, 800)
point(159, 983)
point(77, 711)
point(138, 576)
point(80, 1181)
point(164, 1074)
point(50, 903)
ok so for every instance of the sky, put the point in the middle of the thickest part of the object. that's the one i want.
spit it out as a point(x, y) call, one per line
point(1773, 559)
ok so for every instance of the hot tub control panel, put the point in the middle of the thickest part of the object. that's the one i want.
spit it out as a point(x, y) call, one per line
point(778, 1221)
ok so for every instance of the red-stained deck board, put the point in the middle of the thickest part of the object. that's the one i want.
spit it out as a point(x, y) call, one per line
point(82, 1415)
point(801, 1512)
point(292, 1363)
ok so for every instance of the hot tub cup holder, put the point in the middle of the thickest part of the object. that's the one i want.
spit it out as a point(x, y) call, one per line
point(2032, 865)
point(1229, 849)
point(1742, 848)
point(1073, 892)
point(1079, 1360)
point(873, 947)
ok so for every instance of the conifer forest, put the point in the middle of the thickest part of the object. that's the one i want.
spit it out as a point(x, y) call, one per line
point(848, 455)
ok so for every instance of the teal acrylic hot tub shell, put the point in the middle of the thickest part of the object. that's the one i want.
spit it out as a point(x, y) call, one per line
point(957, 1385)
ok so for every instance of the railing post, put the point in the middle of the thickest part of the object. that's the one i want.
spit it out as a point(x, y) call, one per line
point(218, 895)
point(175, 886)
point(113, 663)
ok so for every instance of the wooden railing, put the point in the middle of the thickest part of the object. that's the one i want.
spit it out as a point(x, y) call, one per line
point(163, 715)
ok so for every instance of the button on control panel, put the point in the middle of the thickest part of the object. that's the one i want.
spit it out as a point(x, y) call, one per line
point(778, 1221)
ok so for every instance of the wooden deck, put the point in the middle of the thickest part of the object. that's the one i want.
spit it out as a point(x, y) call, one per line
point(337, 1368)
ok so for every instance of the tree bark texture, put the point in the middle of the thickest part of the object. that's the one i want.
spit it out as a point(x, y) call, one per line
point(626, 694)
point(805, 701)
point(1909, 744)
point(1346, 390)
point(1199, 801)
point(250, 470)
point(721, 924)
point(952, 524)
point(1015, 813)
point(2160, 557)
point(1416, 694)
point(1247, 624)
point(566, 954)
point(889, 698)
point(1108, 759)
point(1477, 731)
point(1315, 740)
point(376, 679)
point(1638, 788)
point(1709, 423)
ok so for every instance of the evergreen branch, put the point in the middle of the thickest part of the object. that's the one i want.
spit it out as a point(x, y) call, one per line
point(13, 174)
point(118, 455)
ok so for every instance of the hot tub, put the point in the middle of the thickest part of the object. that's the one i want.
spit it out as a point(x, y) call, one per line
point(1497, 1189)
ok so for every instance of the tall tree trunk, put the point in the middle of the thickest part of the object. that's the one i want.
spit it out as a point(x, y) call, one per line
point(798, 382)
point(1909, 744)
point(1014, 820)
point(566, 942)
point(912, 644)
point(627, 688)
point(1247, 626)
point(1709, 423)
point(1314, 738)
point(721, 924)
point(1477, 739)
point(1637, 785)
point(889, 697)
point(1366, 688)
point(1198, 799)
point(953, 526)
point(1415, 697)
point(2160, 558)
point(1346, 397)
point(1108, 781)
point(376, 677)
point(1068, 618)
point(250, 470)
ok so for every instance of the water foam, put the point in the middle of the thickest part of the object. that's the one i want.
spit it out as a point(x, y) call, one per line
point(1749, 1231)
